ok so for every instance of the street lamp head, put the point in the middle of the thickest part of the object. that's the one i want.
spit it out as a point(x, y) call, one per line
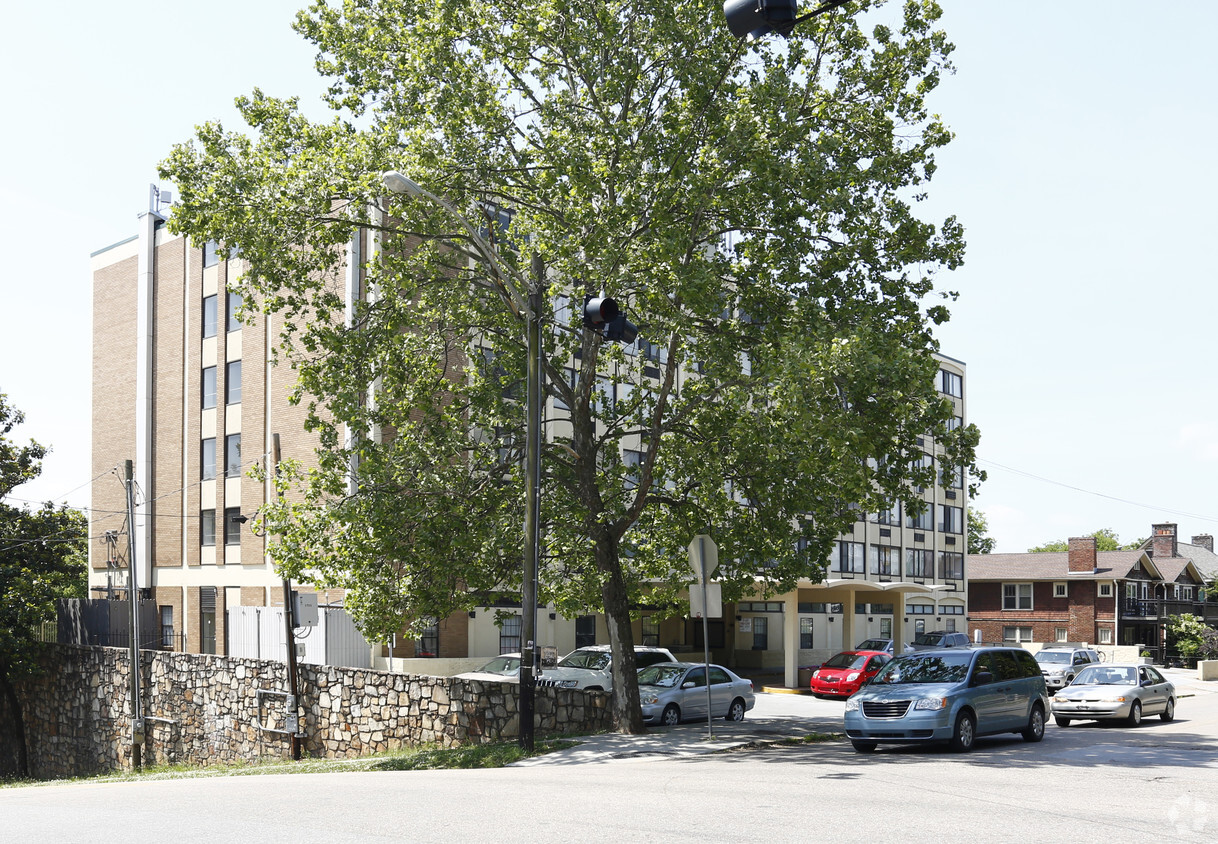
point(398, 183)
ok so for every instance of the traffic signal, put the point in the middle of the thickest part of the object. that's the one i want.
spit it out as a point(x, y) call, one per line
point(602, 314)
point(758, 18)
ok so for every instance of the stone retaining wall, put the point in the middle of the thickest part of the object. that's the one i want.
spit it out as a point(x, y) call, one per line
point(204, 709)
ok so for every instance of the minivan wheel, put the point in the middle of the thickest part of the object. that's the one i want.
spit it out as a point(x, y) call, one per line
point(1169, 713)
point(671, 716)
point(1035, 730)
point(965, 733)
point(736, 711)
point(1135, 713)
point(863, 746)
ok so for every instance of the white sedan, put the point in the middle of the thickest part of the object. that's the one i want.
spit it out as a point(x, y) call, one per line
point(1115, 692)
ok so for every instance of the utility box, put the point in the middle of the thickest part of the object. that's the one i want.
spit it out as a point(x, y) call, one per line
point(304, 609)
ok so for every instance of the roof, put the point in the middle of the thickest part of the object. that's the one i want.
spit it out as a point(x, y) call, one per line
point(1172, 567)
point(1203, 558)
point(1051, 565)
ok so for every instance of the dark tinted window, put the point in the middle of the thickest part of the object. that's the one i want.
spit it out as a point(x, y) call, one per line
point(1027, 664)
point(985, 662)
point(697, 676)
point(718, 675)
point(649, 658)
point(1007, 666)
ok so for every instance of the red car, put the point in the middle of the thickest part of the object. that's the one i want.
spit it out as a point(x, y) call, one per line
point(845, 673)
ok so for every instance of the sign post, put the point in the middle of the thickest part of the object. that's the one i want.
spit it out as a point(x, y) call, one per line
point(704, 559)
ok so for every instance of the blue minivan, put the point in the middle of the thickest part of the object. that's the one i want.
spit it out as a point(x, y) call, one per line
point(950, 696)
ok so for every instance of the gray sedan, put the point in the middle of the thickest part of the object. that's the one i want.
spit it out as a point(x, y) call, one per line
point(671, 692)
point(1120, 692)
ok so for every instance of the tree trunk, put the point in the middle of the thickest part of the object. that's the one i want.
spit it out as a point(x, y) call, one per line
point(14, 759)
point(627, 711)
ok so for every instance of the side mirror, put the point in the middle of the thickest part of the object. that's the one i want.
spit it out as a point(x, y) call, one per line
point(982, 678)
point(688, 684)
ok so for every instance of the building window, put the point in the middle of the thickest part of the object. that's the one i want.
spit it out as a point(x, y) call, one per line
point(919, 562)
point(509, 635)
point(232, 456)
point(572, 379)
point(885, 628)
point(922, 521)
point(211, 254)
point(850, 557)
point(919, 626)
point(232, 304)
point(951, 609)
point(1105, 635)
point(1061, 634)
point(232, 527)
point(1060, 590)
point(428, 643)
point(167, 627)
point(951, 384)
point(631, 460)
point(951, 565)
point(919, 609)
point(209, 459)
point(761, 634)
point(805, 633)
point(650, 630)
point(1105, 590)
point(951, 477)
point(209, 387)
point(955, 422)
point(1017, 596)
point(209, 316)
point(950, 625)
point(890, 515)
point(207, 527)
point(886, 560)
point(585, 631)
point(232, 382)
point(207, 620)
point(951, 519)
point(1017, 634)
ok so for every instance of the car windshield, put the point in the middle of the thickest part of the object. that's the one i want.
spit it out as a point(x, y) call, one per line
point(501, 663)
point(945, 668)
point(845, 660)
point(1052, 658)
point(592, 660)
point(874, 645)
point(667, 676)
point(1098, 675)
point(928, 638)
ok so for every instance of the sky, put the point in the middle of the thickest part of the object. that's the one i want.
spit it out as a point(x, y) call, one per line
point(1083, 170)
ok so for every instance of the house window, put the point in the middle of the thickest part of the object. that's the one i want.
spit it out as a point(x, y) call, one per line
point(1017, 596)
point(951, 565)
point(167, 627)
point(850, 557)
point(951, 519)
point(232, 382)
point(509, 635)
point(1061, 634)
point(950, 383)
point(585, 631)
point(207, 527)
point(805, 633)
point(209, 387)
point(919, 562)
point(885, 560)
point(1060, 590)
point(232, 456)
point(209, 316)
point(1105, 590)
point(1105, 635)
point(232, 305)
point(651, 630)
point(761, 635)
point(209, 459)
point(428, 643)
point(1017, 634)
point(232, 527)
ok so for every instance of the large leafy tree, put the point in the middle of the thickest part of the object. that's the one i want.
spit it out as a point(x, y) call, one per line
point(42, 558)
point(751, 206)
point(979, 539)
point(1106, 539)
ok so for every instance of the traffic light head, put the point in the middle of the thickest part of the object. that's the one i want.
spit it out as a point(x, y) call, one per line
point(758, 18)
point(599, 311)
point(622, 330)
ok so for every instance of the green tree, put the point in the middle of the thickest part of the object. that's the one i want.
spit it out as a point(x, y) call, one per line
point(1189, 635)
point(1106, 539)
point(42, 558)
point(752, 207)
point(979, 539)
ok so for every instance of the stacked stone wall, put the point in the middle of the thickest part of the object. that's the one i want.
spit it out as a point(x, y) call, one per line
point(203, 709)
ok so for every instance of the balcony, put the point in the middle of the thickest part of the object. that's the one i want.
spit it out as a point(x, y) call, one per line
point(1161, 608)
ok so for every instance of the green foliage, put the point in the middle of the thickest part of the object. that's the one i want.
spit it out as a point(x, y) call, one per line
point(979, 539)
point(752, 207)
point(1106, 539)
point(1189, 635)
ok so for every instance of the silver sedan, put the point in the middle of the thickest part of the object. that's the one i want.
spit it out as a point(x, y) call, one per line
point(1115, 692)
point(672, 692)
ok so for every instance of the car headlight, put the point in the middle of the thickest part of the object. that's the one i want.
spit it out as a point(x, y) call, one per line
point(852, 676)
point(650, 700)
point(815, 674)
point(1114, 699)
point(1060, 699)
point(933, 703)
point(852, 705)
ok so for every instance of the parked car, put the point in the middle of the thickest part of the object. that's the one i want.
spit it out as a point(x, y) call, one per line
point(845, 673)
point(589, 668)
point(1060, 663)
point(950, 695)
point(884, 645)
point(504, 668)
point(671, 692)
point(938, 639)
point(1126, 692)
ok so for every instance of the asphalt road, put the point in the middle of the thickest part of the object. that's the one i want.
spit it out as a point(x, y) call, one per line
point(1083, 783)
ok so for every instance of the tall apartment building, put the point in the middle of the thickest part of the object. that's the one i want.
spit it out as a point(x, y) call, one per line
point(191, 395)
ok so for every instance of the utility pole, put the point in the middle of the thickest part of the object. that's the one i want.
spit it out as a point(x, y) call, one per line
point(133, 595)
point(532, 507)
point(292, 707)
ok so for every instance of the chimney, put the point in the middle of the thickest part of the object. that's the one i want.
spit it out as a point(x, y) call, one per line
point(1082, 555)
point(1206, 541)
point(1163, 541)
